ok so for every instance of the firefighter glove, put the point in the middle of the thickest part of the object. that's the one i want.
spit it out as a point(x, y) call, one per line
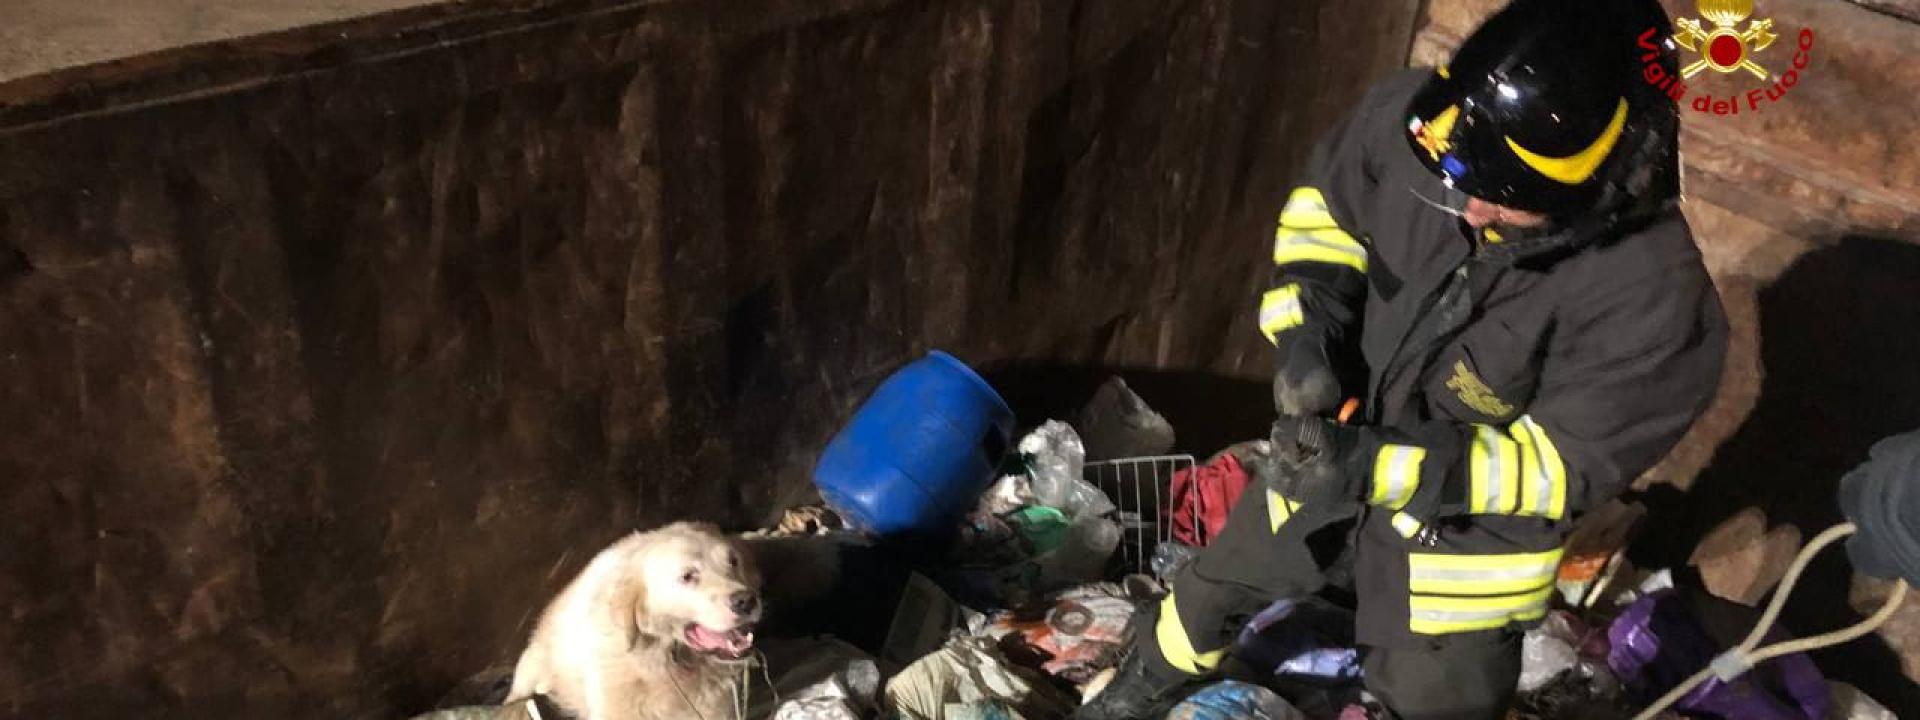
point(1311, 461)
point(1304, 383)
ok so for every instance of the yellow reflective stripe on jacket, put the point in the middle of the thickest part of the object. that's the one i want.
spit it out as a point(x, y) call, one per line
point(1306, 209)
point(1463, 593)
point(1518, 472)
point(1406, 525)
point(1308, 233)
point(1279, 510)
point(1280, 311)
point(1480, 574)
point(1177, 648)
point(1543, 476)
point(1441, 615)
point(1326, 245)
point(1396, 475)
point(1493, 472)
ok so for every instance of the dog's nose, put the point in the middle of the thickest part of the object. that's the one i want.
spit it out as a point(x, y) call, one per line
point(744, 602)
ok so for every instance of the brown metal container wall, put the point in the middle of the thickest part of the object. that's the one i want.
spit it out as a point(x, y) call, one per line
point(330, 353)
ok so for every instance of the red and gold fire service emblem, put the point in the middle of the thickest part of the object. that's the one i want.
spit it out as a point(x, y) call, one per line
point(1723, 46)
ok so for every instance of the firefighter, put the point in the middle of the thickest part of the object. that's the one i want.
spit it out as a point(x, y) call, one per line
point(1490, 256)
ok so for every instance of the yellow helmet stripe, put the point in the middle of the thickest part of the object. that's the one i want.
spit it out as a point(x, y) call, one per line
point(1576, 168)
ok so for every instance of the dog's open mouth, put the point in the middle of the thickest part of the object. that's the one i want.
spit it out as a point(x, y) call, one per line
point(732, 643)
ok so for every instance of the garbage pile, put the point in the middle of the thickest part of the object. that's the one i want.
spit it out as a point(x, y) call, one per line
point(1027, 611)
point(1025, 607)
point(1028, 568)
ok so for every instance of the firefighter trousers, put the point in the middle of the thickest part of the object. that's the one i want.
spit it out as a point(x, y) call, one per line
point(1256, 560)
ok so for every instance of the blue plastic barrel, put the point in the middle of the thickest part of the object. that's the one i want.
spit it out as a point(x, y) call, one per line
point(919, 452)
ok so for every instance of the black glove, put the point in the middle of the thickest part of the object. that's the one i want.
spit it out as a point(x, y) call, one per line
point(1303, 381)
point(1882, 496)
point(1312, 461)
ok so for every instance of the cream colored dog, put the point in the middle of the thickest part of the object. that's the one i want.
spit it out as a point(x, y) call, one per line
point(655, 627)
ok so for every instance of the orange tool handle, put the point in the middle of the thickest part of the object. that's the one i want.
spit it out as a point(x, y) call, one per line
point(1347, 409)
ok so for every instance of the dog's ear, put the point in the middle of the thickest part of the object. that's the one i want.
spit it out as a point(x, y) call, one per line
point(625, 603)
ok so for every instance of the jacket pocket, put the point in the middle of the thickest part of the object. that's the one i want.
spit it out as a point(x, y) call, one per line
point(1488, 377)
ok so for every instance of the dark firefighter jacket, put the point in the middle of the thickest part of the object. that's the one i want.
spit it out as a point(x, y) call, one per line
point(1508, 386)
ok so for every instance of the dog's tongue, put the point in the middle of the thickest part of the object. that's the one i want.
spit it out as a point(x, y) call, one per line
point(732, 643)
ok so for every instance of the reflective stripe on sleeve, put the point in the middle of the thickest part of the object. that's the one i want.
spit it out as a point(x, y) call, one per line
point(1280, 311)
point(1325, 245)
point(1406, 525)
point(1396, 475)
point(1177, 648)
point(1279, 510)
point(1516, 472)
point(1493, 472)
point(1306, 209)
point(1308, 233)
point(1543, 476)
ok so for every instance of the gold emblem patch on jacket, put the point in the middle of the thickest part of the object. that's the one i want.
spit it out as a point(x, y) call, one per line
point(1475, 393)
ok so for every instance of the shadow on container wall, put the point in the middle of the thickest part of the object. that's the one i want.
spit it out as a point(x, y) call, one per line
point(1208, 412)
point(1840, 348)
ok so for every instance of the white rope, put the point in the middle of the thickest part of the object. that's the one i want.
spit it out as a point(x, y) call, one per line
point(1736, 662)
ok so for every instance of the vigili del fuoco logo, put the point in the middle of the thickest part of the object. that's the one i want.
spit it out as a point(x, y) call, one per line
point(1724, 46)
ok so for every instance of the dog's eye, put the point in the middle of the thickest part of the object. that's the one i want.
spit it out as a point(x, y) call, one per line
point(690, 577)
point(733, 561)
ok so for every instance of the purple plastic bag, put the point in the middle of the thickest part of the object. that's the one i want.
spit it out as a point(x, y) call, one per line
point(1305, 639)
point(1657, 644)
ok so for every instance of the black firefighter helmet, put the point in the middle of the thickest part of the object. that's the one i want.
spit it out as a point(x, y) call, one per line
point(1546, 108)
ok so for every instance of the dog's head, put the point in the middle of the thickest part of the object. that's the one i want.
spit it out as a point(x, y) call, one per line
point(697, 587)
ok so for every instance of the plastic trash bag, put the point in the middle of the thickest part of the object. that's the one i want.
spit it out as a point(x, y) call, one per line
point(817, 708)
point(1654, 582)
point(1058, 462)
point(1233, 700)
point(826, 673)
point(1575, 695)
point(1543, 657)
point(1043, 528)
point(989, 541)
point(1009, 493)
point(1657, 643)
point(1073, 635)
point(1305, 638)
point(1851, 704)
point(846, 695)
point(983, 710)
point(969, 670)
point(1169, 557)
point(1083, 554)
point(1117, 423)
point(1549, 649)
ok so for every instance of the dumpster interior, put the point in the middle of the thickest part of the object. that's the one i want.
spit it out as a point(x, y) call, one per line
point(339, 338)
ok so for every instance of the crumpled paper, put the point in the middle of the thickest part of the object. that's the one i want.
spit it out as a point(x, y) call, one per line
point(966, 671)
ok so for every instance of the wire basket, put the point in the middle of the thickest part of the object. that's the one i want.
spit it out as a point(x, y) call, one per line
point(1139, 488)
